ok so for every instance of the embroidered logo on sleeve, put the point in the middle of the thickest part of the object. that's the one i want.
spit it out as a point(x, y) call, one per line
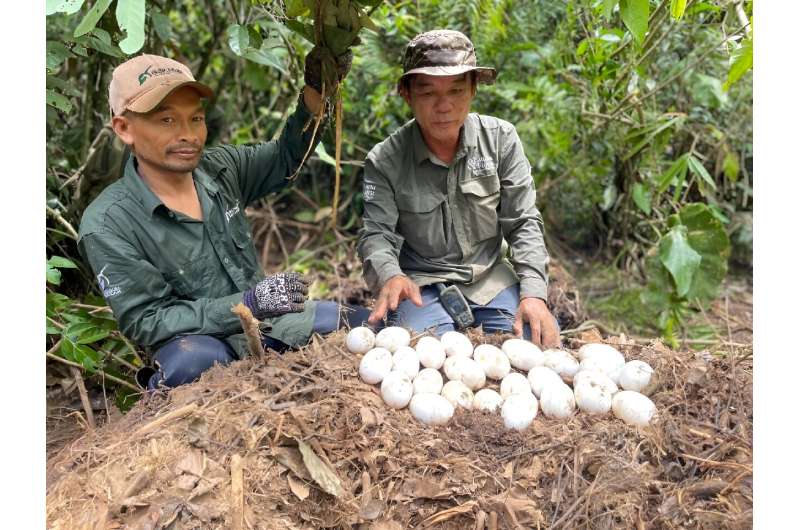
point(109, 290)
point(481, 165)
point(369, 191)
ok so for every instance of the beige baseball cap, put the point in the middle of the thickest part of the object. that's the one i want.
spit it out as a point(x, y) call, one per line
point(141, 83)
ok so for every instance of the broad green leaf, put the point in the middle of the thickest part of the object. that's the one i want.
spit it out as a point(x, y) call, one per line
point(86, 356)
point(677, 171)
point(708, 237)
point(337, 39)
point(99, 39)
point(54, 99)
point(50, 328)
point(641, 197)
point(85, 333)
point(56, 302)
point(130, 18)
point(53, 275)
point(660, 126)
point(238, 39)
point(635, 14)
point(61, 262)
point(742, 62)
point(730, 166)
point(304, 30)
point(323, 155)
point(608, 8)
point(92, 18)
point(162, 25)
point(69, 7)
point(698, 169)
point(679, 258)
point(63, 86)
point(265, 57)
point(57, 53)
point(296, 8)
point(676, 8)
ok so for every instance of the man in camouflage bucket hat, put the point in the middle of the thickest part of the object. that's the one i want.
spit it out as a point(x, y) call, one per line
point(449, 207)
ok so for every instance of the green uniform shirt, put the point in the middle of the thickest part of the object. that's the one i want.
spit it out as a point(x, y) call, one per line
point(456, 223)
point(164, 273)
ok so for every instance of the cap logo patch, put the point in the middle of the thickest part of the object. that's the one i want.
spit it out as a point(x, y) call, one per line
point(144, 76)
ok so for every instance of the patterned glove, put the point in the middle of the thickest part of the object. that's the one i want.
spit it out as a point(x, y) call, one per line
point(276, 295)
point(315, 60)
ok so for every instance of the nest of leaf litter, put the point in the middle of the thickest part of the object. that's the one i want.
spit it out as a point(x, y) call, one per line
point(299, 441)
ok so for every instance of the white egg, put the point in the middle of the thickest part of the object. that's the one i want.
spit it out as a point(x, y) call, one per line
point(593, 398)
point(562, 363)
point(541, 376)
point(428, 381)
point(405, 360)
point(523, 354)
point(396, 390)
point(494, 362)
point(360, 340)
point(466, 370)
point(458, 394)
point(487, 400)
point(431, 352)
point(608, 364)
point(635, 375)
point(392, 338)
point(431, 409)
point(595, 348)
point(518, 411)
point(633, 408)
point(557, 401)
point(514, 383)
point(456, 343)
point(375, 365)
point(596, 378)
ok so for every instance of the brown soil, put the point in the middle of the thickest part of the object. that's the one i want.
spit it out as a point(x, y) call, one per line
point(319, 449)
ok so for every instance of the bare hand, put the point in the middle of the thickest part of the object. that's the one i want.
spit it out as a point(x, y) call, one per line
point(543, 327)
point(393, 292)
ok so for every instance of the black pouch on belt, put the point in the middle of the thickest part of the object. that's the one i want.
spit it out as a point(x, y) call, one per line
point(455, 304)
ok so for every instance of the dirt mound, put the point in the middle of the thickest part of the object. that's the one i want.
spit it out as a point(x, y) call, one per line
point(299, 442)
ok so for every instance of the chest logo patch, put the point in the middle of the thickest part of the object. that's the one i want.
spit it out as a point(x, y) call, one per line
point(481, 165)
point(230, 212)
point(105, 285)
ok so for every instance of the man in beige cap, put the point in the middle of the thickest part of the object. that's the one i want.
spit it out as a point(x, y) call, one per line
point(169, 241)
point(452, 237)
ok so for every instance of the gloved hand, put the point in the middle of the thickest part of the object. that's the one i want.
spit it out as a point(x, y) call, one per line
point(314, 64)
point(276, 295)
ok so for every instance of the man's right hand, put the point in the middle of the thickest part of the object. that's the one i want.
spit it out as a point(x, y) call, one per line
point(277, 294)
point(393, 292)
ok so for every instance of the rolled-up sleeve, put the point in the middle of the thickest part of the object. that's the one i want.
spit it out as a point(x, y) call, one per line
point(520, 220)
point(379, 244)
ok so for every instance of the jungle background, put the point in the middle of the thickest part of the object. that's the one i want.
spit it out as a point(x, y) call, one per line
point(636, 117)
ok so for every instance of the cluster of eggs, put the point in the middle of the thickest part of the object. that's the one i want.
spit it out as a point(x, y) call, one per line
point(553, 381)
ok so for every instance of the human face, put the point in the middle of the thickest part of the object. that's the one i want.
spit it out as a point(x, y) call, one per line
point(170, 138)
point(440, 105)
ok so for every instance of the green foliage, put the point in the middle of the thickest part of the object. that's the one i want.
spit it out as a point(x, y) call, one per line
point(630, 112)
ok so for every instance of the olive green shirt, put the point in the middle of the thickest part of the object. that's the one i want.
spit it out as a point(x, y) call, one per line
point(473, 222)
point(166, 274)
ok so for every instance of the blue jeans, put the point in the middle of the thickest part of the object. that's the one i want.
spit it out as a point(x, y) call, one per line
point(184, 358)
point(496, 317)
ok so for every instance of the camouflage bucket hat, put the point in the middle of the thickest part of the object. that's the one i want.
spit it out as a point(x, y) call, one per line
point(444, 52)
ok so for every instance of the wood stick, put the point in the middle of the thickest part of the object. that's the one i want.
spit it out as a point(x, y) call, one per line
point(87, 405)
point(158, 422)
point(237, 493)
point(250, 328)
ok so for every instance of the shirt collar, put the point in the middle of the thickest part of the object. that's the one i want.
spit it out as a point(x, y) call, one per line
point(150, 200)
point(467, 139)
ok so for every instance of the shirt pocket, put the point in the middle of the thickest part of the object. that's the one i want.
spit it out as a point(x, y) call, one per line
point(190, 279)
point(421, 223)
point(481, 199)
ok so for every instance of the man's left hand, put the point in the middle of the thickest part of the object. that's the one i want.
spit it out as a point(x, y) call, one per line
point(534, 312)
